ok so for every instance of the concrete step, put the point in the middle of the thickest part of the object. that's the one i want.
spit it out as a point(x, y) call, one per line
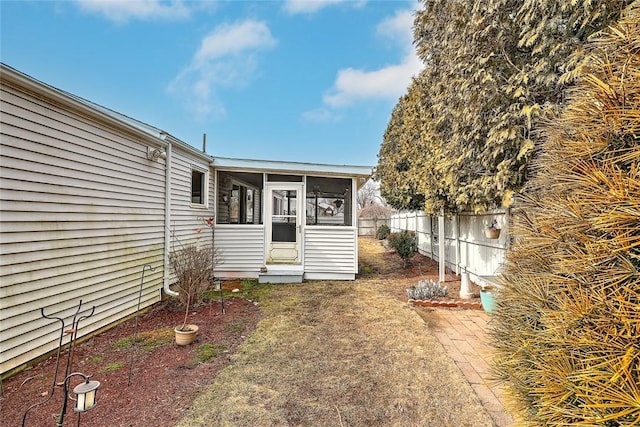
point(280, 276)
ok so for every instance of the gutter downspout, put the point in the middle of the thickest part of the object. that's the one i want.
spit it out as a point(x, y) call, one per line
point(354, 220)
point(167, 222)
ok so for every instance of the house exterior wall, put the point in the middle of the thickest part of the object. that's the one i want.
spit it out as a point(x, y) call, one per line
point(81, 212)
point(328, 251)
point(331, 252)
point(187, 224)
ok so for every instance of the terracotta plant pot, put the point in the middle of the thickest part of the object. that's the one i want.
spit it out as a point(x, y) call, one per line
point(492, 233)
point(186, 335)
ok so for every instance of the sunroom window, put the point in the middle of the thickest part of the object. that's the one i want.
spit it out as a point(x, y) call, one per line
point(328, 201)
point(239, 198)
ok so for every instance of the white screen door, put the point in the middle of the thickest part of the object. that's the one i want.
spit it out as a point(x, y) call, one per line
point(284, 226)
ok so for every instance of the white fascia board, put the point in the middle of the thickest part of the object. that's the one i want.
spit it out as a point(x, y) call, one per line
point(274, 166)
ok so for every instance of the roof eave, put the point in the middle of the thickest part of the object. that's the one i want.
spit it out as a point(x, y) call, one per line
point(277, 166)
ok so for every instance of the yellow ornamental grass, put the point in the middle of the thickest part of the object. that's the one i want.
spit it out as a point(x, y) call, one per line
point(567, 325)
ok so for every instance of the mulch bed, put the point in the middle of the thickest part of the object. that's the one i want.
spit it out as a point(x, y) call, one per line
point(164, 380)
point(421, 267)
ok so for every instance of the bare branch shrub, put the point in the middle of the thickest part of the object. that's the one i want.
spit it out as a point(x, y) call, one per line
point(193, 268)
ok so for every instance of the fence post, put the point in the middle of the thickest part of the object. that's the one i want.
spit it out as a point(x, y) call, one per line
point(456, 236)
point(441, 250)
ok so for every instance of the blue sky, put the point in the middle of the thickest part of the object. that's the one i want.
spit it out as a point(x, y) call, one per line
point(298, 80)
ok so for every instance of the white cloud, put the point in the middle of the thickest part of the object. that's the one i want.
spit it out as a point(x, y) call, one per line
point(233, 39)
point(355, 85)
point(295, 7)
point(227, 58)
point(321, 115)
point(123, 10)
point(390, 82)
point(398, 28)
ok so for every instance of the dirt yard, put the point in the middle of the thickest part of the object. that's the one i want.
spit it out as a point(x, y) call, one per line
point(323, 354)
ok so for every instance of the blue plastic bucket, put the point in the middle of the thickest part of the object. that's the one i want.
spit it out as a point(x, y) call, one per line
point(488, 299)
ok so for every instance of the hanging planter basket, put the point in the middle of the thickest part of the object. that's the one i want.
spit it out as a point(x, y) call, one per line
point(492, 233)
point(186, 335)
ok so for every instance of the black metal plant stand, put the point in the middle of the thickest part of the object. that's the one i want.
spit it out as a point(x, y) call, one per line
point(134, 343)
point(65, 329)
point(210, 222)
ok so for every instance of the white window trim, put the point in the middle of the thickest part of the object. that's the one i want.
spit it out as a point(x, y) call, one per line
point(205, 190)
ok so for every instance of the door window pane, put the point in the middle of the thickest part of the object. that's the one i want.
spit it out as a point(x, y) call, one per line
point(283, 218)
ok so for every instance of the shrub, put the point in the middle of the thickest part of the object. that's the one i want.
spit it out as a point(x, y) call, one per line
point(193, 267)
point(567, 322)
point(383, 232)
point(405, 244)
point(426, 290)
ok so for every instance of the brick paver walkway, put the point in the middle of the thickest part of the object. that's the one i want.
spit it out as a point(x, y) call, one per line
point(463, 333)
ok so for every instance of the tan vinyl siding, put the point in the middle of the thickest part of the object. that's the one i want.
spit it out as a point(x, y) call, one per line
point(81, 213)
point(330, 250)
point(187, 219)
point(241, 248)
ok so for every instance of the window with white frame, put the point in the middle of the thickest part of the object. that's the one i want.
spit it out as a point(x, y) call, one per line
point(198, 187)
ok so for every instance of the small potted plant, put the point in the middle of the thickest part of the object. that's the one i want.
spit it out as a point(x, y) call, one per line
point(193, 268)
point(491, 229)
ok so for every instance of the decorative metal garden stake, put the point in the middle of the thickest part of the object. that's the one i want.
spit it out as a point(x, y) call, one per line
point(135, 328)
point(210, 222)
point(71, 330)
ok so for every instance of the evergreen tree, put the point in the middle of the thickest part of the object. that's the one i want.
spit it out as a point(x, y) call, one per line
point(493, 69)
point(567, 327)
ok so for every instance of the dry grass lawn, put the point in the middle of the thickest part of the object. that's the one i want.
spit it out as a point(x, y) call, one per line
point(340, 354)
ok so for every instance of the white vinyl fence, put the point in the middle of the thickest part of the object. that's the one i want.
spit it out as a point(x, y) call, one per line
point(369, 226)
point(466, 247)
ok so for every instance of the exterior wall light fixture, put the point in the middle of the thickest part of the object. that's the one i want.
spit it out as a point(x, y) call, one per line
point(156, 154)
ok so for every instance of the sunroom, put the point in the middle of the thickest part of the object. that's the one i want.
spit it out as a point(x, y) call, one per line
point(284, 221)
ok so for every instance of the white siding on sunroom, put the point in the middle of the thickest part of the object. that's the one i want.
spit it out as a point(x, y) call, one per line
point(330, 250)
point(241, 250)
point(81, 213)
